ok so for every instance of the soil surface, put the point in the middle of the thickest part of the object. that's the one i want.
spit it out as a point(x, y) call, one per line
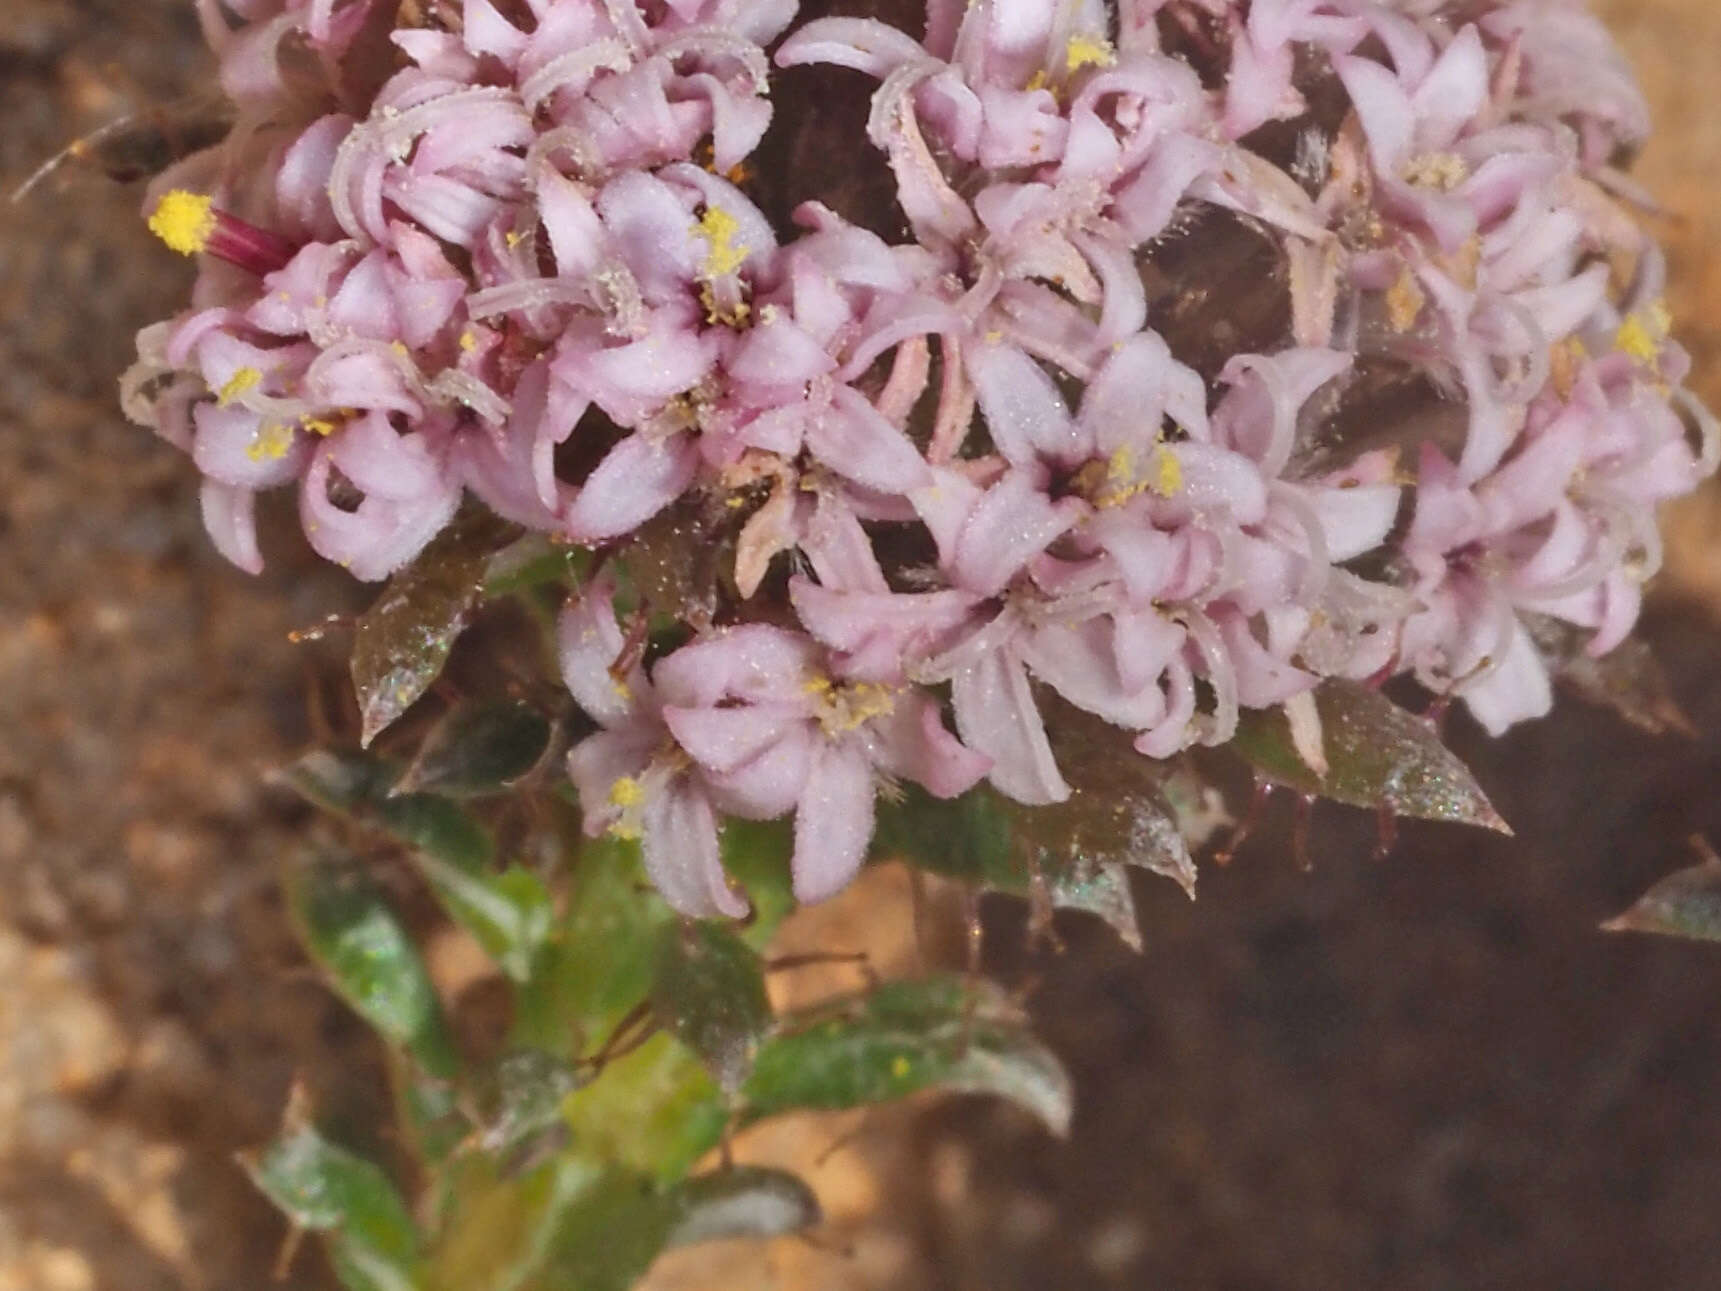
point(1428, 1072)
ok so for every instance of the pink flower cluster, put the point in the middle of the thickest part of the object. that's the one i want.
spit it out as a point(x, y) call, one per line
point(511, 251)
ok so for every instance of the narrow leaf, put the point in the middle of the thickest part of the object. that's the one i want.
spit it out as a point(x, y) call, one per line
point(1378, 755)
point(373, 1243)
point(942, 1033)
point(404, 639)
point(744, 1201)
point(1687, 903)
point(370, 960)
point(708, 991)
point(477, 749)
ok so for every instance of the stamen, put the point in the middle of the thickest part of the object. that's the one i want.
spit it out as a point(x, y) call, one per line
point(191, 224)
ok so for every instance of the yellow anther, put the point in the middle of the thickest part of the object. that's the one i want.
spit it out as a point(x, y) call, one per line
point(1642, 333)
point(1404, 301)
point(468, 340)
point(184, 221)
point(847, 707)
point(324, 426)
point(1168, 472)
point(1441, 170)
point(718, 227)
point(625, 793)
point(270, 443)
point(1037, 81)
point(900, 1066)
point(242, 380)
point(1088, 51)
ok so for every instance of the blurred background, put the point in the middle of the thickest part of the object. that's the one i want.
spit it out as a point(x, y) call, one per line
point(1427, 1072)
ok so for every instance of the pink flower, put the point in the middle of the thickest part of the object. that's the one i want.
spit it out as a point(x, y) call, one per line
point(749, 722)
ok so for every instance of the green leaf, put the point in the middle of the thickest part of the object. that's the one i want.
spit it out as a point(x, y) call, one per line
point(370, 960)
point(337, 781)
point(500, 1229)
point(1071, 855)
point(1378, 756)
point(477, 749)
point(372, 1241)
point(404, 639)
point(742, 1201)
point(1628, 679)
point(510, 914)
point(529, 1086)
point(943, 1033)
point(1687, 903)
point(599, 964)
point(655, 1111)
point(607, 1236)
point(708, 991)
point(756, 855)
point(534, 561)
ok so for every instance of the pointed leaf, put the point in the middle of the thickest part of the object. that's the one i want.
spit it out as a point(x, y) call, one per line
point(1071, 854)
point(370, 960)
point(943, 1033)
point(1629, 679)
point(404, 639)
point(709, 992)
point(477, 749)
point(744, 1201)
point(1687, 903)
point(1378, 755)
point(372, 1241)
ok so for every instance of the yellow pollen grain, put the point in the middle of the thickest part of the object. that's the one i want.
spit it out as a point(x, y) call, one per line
point(468, 340)
point(1642, 333)
point(1168, 472)
point(625, 793)
point(324, 426)
point(184, 221)
point(1442, 170)
point(718, 227)
point(847, 708)
point(1404, 300)
point(242, 380)
point(900, 1066)
point(623, 691)
point(1088, 51)
point(271, 443)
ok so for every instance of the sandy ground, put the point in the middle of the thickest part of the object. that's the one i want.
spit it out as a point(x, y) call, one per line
point(1427, 1073)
